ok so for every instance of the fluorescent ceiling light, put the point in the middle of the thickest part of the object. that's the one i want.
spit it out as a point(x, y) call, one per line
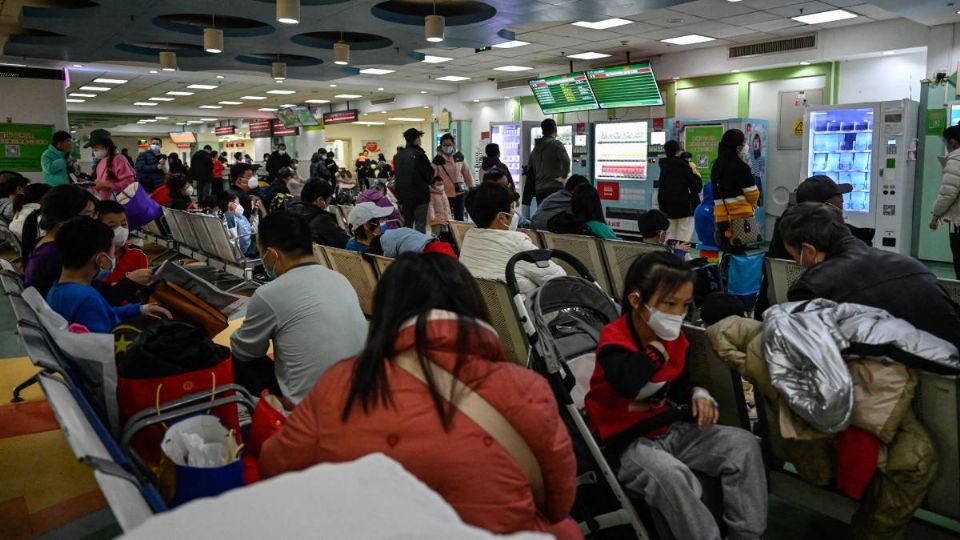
point(76, 101)
point(282, 92)
point(588, 56)
point(376, 71)
point(476, 101)
point(825, 17)
point(211, 106)
point(510, 44)
point(333, 86)
point(179, 93)
point(267, 109)
point(430, 59)
point(230, 102)
point(453, 78)
point(512, 68)
point(194, 121)
point(162, 117)
point(219, 76)
point(95, 88)
point(380, 89)
point(804, 63)
point(148, 120)
point(145, 103)
point(318, 101)
point(888, 53)
point(370, 123)
point(181, 123)
point(423, 91)
point(154, 71)
point(78, 65)
point(734, 71)
point(253, 97)
point(405, 119)
point(288, 105)
point(689, 39)
point(602, 25)
point(348, 96)
point(209, 119)
point(75, 94)
point(161, 99)
point(110, 81)
point(202, 86)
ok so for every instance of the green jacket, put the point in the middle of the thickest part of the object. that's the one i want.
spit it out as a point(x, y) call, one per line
point(53, 162)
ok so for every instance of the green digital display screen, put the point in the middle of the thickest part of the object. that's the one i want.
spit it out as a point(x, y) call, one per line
point(625, 86)
point(563, 93)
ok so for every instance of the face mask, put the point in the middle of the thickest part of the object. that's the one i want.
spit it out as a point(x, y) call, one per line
point(252, 183)
point(99, 154)
point(155, 147)
point(514, 220)
point(665, 326)
point(281, 152)
point(271, 272)
point(238, 210)
point(105, 273)
point(120, 235)
point(447, 150)
point(189, 191)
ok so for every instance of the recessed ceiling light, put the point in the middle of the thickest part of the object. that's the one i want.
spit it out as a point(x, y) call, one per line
point(161, 99)
point(453, 78)
point(282, 92)
point(676, 78)
point(825, 17)
point(230, 102)
point(318, 101)
point(253, 97)
point(804, 63)
point(179, 93)
point(476, 101)
point(202, 86)
point(211, 106)
point(370, 123)
point(267, 109)
point(384, 112)
point(888, 53)
point(348, 96)
point(75, 94)
point(512, 68)
point(602, 25)
point(76, 101)
point(162, 117)
point(194, 121)
point(110, 81)
point(148, 120)
point(588, 56)
point(219, 76)
point(78, 65)
point(95, 88)
point(733, 1)
point(333, 86)
point(510, 44)
point(145, 103)
point(405, 119)
point(689, 39)
point(154, 71)
point(380, 89)
point(288, 105)
point(430, 59)
point(734, 71)
point(426, 106)
point(209, 119)
point(423, 91)
point(376, 71)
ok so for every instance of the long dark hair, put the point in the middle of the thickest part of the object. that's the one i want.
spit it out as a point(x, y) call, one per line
point(57, 206)
point(728, 151)
point(585, 203)
point(31, 194)
point(652, 272)
point(412, 286)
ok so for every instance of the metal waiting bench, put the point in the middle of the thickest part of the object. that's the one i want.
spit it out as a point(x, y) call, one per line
point(504, 319)
point(584, 248)
point(358, 271)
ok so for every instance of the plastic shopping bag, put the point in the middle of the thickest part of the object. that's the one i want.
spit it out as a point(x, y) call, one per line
point(205, 458)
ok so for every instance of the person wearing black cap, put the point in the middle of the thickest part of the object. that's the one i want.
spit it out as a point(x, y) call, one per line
point(414, 176)
point(818, 189)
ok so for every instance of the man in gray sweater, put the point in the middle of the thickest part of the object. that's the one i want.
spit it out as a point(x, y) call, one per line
point(311, 313)
point(549, 163)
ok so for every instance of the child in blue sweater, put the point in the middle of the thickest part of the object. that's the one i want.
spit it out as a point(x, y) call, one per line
point(87, 252)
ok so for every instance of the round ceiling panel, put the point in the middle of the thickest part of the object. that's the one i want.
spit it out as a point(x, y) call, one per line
point(194, 23)
point(266, 59)
point(185, 50)
point(456, 12)
point(358, 41)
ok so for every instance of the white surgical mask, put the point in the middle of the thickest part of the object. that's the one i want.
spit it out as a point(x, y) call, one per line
point(189, 191)
point(155, 147)
point(252, 183)
point(99, 154)
point(238, 210)
point(281, 152)
point(665, 326)
point(120, 235)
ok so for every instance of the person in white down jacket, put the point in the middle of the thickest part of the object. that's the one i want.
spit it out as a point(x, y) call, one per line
point(947, 205)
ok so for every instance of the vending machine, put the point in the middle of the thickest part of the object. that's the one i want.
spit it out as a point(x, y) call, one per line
point(621, 171)
point(514, 139)
point(872, 147)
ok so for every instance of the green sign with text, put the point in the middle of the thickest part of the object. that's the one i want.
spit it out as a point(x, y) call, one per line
point(702, 142)
point(21, 146)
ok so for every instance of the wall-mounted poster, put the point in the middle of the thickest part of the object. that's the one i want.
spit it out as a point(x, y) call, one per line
point(21, 146)
point(373, 147)
point(702, 142)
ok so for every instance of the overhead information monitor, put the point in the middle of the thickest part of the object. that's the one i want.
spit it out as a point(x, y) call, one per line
point(625, 86)
point(563, 93)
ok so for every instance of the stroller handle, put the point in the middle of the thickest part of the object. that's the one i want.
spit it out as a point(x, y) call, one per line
point(542, 256)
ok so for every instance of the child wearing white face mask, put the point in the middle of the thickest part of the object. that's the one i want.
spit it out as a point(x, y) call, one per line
point(131, 273)
point(643, 407)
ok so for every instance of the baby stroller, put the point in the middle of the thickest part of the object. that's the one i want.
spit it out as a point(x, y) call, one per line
point(562, 320)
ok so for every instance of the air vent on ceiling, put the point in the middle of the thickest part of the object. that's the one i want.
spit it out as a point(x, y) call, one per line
point(513, 83)
point(382, 101)
point(774, 47)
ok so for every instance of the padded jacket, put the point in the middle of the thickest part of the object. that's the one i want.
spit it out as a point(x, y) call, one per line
point(414, 175)
point(53, 163)
point(679, 188)
point(324, 228)
point(947, 205)
point(471, 471)
point(549, 161)
point(149, 170)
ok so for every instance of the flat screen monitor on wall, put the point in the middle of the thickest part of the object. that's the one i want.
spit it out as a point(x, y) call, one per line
point(954, 114)
point(304, 116)
point(625, 86)
point(288, 117)
point(563, 93)
point(183, 137)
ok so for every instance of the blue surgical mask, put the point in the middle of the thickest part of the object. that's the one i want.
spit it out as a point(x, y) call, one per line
point(105, 273)
point(447, 149)
point(155, 147)
point(271, 272)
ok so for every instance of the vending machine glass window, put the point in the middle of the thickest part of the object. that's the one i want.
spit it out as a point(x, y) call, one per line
point(508, 137)
point(842, 148)
point(564, 133)
point(620, 151)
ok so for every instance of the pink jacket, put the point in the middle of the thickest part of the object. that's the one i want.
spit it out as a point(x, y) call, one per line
point(472, 472)
point(438, 212)
point(123, 175)
point(453, 172)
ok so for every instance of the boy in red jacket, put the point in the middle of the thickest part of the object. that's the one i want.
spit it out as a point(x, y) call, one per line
point(131, 272)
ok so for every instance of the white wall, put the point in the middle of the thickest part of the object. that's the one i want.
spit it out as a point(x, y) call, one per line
point(33, 101)
point(708, 103)
point(882, 78)
point(354, 136)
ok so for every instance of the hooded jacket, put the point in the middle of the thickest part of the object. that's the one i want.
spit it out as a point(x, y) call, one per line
point(464, 465)
point(324, 228)
point(679, 188)
point(489, 164)
point(414, 176)
point(947, 205)
point(806, 344)
point(549, 161)
point(439, 213)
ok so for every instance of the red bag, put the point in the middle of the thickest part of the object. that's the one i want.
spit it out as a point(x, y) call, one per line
point(134, 395)
point(268, 417)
